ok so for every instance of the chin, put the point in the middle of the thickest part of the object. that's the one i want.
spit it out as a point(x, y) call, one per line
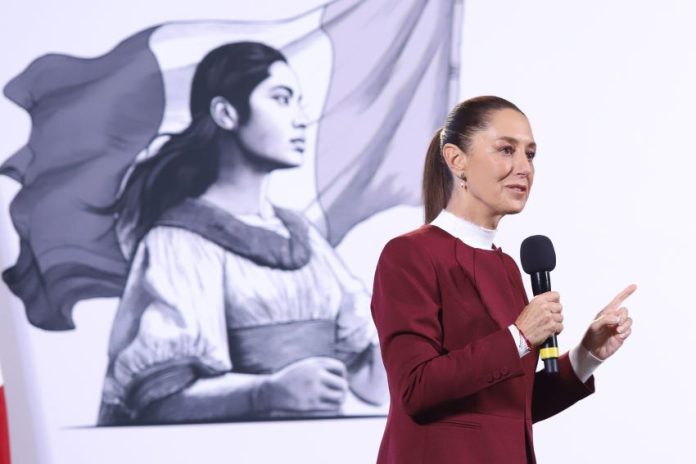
point(285, 161)
point(515, 209)
point(291, 162)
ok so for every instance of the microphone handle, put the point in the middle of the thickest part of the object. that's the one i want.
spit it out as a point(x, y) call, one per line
point(541, 283)
point(549, 353)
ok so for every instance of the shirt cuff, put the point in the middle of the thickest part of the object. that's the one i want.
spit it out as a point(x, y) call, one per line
point(520, 342)
point(583, 362)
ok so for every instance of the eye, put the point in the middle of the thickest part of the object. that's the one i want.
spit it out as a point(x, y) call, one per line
point(282, 99)
point(531, 155)
point(507, 149)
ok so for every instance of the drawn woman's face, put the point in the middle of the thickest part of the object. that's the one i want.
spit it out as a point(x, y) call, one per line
point(277, 124)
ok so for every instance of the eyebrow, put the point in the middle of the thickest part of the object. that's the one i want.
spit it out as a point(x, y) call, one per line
point(514, 141)
point(283, 87)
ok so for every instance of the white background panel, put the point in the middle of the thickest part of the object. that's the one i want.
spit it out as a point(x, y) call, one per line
point(609, 89)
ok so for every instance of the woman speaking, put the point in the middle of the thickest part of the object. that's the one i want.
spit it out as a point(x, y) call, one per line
point(459, 337)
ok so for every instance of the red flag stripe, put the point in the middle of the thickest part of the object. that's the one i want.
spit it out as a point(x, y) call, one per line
point(4, 432)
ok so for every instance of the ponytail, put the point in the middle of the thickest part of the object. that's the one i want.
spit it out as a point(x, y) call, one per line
point(437, 180)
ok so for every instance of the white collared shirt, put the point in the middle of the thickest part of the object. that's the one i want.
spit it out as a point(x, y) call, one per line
point(582, 361)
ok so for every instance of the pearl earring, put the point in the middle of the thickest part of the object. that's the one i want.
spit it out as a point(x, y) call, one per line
point(462, 182)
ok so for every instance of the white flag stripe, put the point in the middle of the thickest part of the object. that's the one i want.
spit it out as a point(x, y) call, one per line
point(180, 47)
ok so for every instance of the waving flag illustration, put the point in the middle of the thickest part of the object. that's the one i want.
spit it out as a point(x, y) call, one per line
point(393, 75)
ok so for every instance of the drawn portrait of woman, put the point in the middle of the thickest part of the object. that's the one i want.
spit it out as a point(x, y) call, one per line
point(233, 308)
point(193, 208)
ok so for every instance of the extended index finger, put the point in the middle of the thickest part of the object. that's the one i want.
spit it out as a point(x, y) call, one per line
point(623, 294)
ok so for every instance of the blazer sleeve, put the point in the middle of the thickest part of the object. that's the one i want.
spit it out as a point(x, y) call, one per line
point(406, 308)
point(553, 394)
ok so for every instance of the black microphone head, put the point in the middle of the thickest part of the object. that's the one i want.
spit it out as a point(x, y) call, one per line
point(537, 254)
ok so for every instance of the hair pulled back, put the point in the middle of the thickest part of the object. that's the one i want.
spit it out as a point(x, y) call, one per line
point(465, 119)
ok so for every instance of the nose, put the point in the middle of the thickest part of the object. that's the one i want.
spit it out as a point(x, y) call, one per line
point(522, 165)
point(301, 120)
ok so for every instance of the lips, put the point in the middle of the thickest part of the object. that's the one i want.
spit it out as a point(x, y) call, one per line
point(519, 188)
point(298, 144)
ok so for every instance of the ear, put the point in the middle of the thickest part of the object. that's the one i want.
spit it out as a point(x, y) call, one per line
point(223, 113)
point(457, 161)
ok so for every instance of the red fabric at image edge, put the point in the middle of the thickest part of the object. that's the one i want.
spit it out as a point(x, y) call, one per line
point(4, 435)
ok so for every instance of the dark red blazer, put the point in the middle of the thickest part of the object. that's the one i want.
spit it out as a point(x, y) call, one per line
point(459, 391)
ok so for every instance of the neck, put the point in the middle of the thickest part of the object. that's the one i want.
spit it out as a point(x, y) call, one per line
point(241, 185)
point(465, 206)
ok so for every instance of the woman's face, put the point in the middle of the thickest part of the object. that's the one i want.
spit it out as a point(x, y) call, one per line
point(499, 169)
point(275, 131)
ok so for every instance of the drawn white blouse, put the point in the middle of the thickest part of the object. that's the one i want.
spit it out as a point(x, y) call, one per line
point(185, 292)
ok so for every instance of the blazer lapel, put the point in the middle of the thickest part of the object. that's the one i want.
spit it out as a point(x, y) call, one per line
point(487, 272)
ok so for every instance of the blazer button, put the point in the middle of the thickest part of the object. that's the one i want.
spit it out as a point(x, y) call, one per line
point(490, 379)
point(505, 371)
point(497, 375)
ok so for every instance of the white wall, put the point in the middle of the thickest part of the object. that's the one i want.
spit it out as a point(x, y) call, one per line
point(609, 88)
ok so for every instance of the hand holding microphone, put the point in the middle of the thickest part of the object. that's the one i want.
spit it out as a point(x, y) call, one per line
point(538, 260)
point(541, 318)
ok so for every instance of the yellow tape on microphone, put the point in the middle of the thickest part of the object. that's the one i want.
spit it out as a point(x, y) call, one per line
point(551, 352)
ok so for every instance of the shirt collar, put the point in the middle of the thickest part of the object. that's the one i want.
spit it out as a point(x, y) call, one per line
point(472, 234)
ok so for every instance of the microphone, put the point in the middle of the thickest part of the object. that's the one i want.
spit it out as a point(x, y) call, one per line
point(538, 259)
